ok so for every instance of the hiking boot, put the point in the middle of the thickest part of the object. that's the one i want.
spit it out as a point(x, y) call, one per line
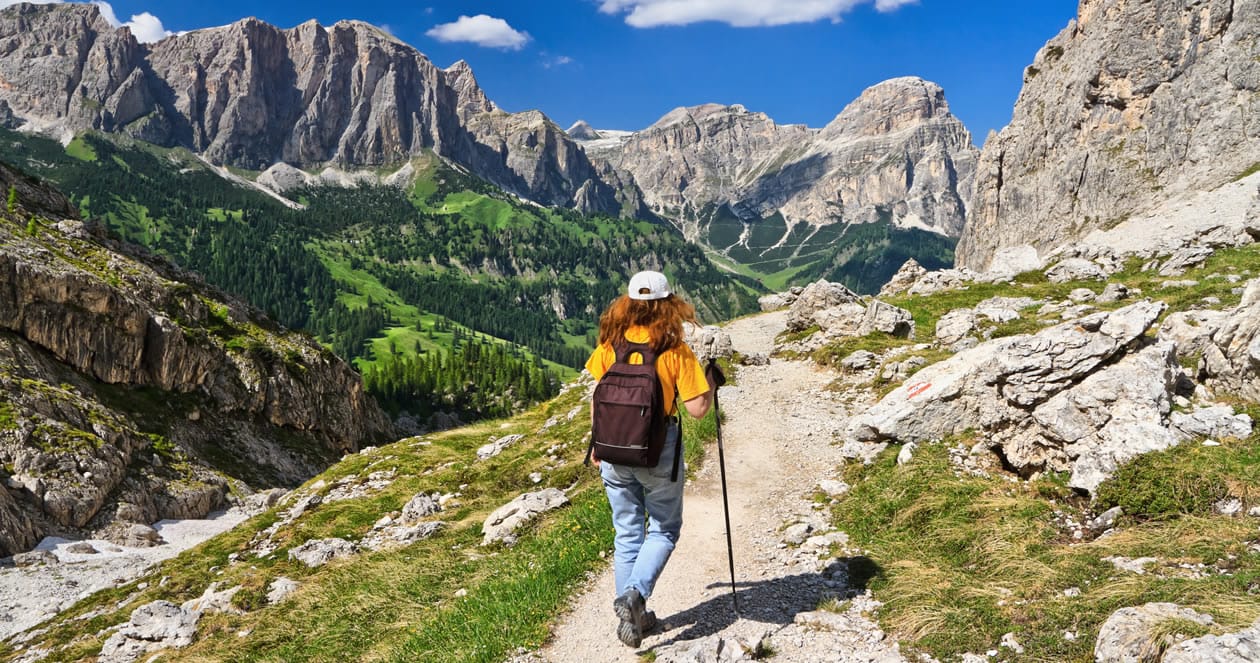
point(630, 609)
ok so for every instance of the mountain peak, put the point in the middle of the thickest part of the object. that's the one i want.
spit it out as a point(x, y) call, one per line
point(892, 105)
point(581, 130)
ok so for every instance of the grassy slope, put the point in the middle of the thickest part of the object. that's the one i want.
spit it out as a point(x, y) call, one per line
point(966, 559)
point(398, 605)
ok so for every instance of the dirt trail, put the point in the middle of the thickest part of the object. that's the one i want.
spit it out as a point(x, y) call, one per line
point(780, 419)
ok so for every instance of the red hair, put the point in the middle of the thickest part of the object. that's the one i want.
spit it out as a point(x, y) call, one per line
point(663, 319)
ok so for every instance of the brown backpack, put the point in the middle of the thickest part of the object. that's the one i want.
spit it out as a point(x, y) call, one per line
point(628, 425)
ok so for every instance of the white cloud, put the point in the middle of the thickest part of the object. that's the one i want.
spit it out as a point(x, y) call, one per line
point(146, 27)
point(481, 30)
point(557, 61)
point(737, 13)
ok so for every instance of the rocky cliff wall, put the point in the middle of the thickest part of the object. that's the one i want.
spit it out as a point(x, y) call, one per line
point(131, 391)
point(1132, 104)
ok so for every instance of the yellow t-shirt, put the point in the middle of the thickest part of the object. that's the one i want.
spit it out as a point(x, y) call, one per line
point(679, 370)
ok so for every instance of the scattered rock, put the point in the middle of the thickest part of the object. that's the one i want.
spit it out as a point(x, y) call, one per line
point(496, 447)
point(833, 487)
point(212, 601)
point(1211, 422)
point(1075, 269)
point(1105, 519)
point(859, 360)
point(1230, 506)
point(1241, 646)
point(420, 506)
point(280, 589)
point(318, 552)
point(1132, 565)
point(1009, 642)
point(1127, 636)
point(153, 626)
point(503, 523)
point(1114, 292)
point(35, 558)
point(907, 453)
point(945, 279)
point(1082, 295)
point(1185, 258)
point(796, 534)
point(716, 648)
point(82, 548)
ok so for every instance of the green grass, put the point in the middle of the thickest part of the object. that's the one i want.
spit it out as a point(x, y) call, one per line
point(1249, 171)
point(400, 604)
point(964, 560)
point(81, 150)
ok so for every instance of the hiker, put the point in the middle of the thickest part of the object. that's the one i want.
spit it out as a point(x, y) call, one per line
point(649, 313)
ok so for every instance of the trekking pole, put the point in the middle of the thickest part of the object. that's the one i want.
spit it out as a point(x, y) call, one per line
point(717, 380)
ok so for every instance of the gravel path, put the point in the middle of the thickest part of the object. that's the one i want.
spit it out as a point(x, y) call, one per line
point(780, 420)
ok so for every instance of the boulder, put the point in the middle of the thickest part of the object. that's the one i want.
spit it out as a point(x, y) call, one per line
point(905, 277)
point(945, 279)
point(1075, 269)
point(859, 360)
point(1128, 634)
point(886, 318)
point(501, 525)
point(709, 342)
point(318, 552)
point(814, 298)
point(35, 558)
point(1013, 260)
point(1229, 648)
point(133, 535)
point(1210, 422)
point(153, 626)
point(775, 301)
point(841, 320)
point(1113, 292)
point(954, 326)
point(1185, 258)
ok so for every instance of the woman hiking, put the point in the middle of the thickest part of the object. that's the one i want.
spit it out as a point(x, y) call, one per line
point(647, 320)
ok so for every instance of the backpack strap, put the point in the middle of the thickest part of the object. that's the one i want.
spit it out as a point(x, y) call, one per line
point(678, 446)
point(624, 349)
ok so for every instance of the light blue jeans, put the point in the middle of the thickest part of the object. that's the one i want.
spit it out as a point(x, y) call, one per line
point(636, 493)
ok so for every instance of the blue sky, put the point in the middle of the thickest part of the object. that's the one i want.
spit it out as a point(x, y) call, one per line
point(621, 64)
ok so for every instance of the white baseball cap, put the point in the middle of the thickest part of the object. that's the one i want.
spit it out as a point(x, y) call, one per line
point(654, 283)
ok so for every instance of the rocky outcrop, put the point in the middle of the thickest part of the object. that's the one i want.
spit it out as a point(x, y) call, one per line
point(1074, 397)
point(133, 392)
point(896, 153)
point(1102, 130)
point(1243, 645)
point(153, 627)
point(1232, 355)
point(251, 95)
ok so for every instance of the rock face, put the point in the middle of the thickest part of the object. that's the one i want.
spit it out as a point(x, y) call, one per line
point(896, 153)
point(1075, 397)
point(128, 388)
point(1102, 130)
point(250, 95)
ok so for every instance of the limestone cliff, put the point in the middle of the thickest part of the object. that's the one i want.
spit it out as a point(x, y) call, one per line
point(251, 95)
point(1132, 104)
point(130, 391)
point(895, 153)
